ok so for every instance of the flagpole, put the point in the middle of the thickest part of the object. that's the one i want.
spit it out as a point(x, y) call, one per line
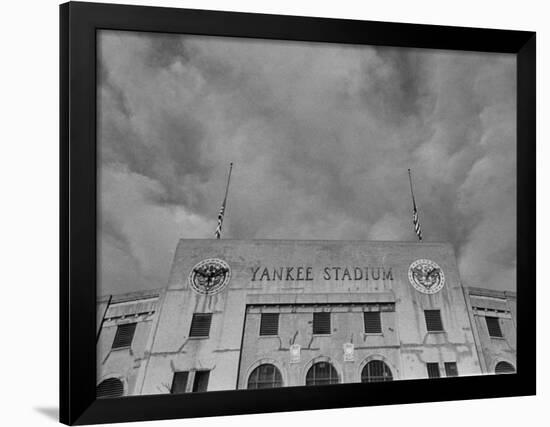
point(218, 232)
point(228, 179)
point(412, 192)
point(416, 220)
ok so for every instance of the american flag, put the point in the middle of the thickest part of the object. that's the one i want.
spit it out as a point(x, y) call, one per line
point(220, 222)
point(416, 220)
point(218, 232)
point(416, 223)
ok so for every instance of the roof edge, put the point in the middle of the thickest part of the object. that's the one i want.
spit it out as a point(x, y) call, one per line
point(131, 296)
point(485, 292)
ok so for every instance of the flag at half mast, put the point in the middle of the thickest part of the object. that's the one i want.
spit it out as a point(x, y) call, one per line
point(416, 220)
point(218, 232)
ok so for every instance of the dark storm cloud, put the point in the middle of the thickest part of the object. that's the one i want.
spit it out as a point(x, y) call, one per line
point(164, 50)
point(321, 137)
point(401, 90)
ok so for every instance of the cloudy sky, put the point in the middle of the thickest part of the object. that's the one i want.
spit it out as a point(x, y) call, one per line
point(321, 136)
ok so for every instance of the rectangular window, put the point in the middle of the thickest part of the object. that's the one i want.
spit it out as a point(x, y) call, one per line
point(179, 382)
point(200, 325)
point(269, 324)
point(124, 335)
point(450, 369)
point(493, 325)
point(321, 323)
point(201, 381)
point(373, 325)
point(433, 370)
point(433, 320)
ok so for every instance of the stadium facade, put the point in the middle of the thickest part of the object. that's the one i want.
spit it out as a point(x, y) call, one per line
point(276, 313)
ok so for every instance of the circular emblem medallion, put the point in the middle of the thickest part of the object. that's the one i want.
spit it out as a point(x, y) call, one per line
point(209, 276)
point(426, 276)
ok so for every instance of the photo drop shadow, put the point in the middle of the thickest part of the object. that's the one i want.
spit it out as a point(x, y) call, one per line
point(51, 412)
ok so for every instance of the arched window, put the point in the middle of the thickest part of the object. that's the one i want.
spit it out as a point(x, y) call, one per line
point(111, 387)
point(376, 371)
point(322, 373)
point(504, 368)
point(265, 376)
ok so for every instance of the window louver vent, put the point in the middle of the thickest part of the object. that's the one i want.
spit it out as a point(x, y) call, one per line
point(433, 320)
point(124, 335)
point(111, 387)
point(269, 324)
point(200, 325)
point(504, 368)
point(321, 323)
point(373, 325)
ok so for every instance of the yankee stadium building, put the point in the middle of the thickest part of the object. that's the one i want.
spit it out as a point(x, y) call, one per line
point(277, 313)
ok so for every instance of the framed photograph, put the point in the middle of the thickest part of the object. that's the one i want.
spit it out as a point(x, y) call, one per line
point(267, 213)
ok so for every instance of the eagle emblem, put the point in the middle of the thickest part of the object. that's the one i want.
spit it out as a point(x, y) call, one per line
point(209, 276)
point(426, 276)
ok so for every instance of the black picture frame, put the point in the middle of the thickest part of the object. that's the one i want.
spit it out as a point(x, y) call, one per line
point(78, 241)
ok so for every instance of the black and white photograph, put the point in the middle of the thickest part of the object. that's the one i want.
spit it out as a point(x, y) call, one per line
point(285, 213)
point(275, 213)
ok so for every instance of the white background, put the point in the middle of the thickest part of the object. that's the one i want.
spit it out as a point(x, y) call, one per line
point(29, 212)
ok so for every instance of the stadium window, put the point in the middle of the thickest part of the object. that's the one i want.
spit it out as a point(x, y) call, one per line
point(376, 371)
point(493, 326)
point(265, 376)
point(433, 370)
point(451, 369)
point(200, 383)
point(179, 382)
point(322, 373)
